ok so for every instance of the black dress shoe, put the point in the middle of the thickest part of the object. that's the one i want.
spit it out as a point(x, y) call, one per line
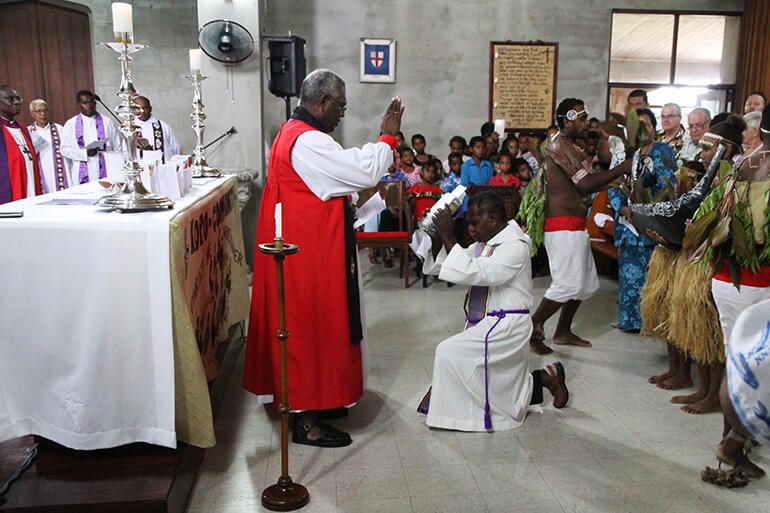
point(330, 436)
point(334, 413)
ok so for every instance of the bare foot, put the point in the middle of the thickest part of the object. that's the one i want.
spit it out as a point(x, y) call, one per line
point(705, 405)
point(688, 399)
point(536, 340)
point(675, 383)
point(662, 377)
point(730, 453)
point(570, 339)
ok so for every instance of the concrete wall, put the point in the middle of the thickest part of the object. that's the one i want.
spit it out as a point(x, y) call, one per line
point(241, 107)
point(169, 27)
point(443, 54)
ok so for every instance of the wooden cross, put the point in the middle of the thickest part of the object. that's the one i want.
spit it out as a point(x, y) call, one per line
point(547, 52)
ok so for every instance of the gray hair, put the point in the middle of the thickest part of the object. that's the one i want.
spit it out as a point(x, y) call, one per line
point(318, 82)
point(675, 106)
point(37, 102)
point(703, 111)
point(753, 119)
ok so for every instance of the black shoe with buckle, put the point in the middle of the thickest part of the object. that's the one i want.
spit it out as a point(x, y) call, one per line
point(330, 437)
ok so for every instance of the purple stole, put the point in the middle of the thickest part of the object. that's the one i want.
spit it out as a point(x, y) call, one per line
point(62, 181)
point(83, 175)
point(5, 174)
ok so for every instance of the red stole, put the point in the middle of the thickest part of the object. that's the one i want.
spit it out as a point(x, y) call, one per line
point(16, 162)
point(324, 367)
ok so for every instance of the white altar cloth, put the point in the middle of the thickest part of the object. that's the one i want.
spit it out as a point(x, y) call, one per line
point(86, 342)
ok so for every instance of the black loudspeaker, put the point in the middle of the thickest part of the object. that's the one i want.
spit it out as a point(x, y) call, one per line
point(287, 65)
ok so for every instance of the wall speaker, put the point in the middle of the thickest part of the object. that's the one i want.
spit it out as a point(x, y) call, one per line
point(286, 64)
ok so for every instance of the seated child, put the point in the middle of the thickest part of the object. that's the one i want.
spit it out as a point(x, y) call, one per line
point(505, 177)
point(523, 172)
point(424, 194)
point(411, 171)
point(452, 180)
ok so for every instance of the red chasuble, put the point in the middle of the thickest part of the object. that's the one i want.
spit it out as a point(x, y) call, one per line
point(324, 367)
point(13, 167)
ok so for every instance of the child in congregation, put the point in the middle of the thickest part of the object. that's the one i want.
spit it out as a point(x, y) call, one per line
point(505, 175)
point(424, 194)
point(452, 179)
point(492, 148)
point(408, 166)
point(523, 172)
point(477, 170)
point(420, 157)
point(511, 145)
point(400, 141)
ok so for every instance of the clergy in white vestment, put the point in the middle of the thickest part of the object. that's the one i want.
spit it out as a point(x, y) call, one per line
point(86, 137)
point(481, 379)
point(156, 134)
point(47, 139)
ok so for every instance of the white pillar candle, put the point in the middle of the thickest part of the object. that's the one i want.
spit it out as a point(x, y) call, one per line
point(500, 127)
point(278, 221)
point(122, 19)
point(195, 59)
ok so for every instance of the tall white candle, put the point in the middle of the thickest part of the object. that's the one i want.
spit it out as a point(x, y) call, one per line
point(122, 19)
point(278, 221)
point(195, 59)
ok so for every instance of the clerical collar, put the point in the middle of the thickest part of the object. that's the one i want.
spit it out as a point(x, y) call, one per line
point(304, 115)
point(8, 122)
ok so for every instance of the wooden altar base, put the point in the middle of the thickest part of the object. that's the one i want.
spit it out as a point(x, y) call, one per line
point(131, 478)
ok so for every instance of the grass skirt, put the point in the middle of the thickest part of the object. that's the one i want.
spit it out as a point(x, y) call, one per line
point(656, 300)
point(694, 326)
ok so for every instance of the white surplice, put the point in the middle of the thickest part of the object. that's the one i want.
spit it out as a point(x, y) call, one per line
point(42, 140)
point(170, 143)
point(458, 389)
point(72, 151)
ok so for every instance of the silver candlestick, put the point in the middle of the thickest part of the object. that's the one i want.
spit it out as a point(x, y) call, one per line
point(133, 196)
point(200, 167)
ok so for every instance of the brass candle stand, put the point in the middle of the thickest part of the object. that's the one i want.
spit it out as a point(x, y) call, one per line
point(285, 495)
point(200, 167)
point(132, 196)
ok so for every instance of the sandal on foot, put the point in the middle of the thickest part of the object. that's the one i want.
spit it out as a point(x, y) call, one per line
point(558, 386)
point(329, 437)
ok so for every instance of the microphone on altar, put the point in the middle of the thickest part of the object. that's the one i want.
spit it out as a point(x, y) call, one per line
point(96, 97)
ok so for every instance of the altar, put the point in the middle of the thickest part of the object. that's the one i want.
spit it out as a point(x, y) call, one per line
point(112, 322)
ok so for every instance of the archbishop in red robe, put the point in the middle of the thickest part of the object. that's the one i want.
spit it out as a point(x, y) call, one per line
point(312, 176)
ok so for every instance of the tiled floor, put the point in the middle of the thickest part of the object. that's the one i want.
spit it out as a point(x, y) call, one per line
point(619, 446)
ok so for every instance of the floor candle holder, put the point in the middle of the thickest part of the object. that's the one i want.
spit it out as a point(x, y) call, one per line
point(285, 495)
point(200, 167)
point(132, 196)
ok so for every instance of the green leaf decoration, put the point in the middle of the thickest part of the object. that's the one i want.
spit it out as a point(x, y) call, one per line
point(698, 231)
point(532, 211)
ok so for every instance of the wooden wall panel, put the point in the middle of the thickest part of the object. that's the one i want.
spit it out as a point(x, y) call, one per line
point(65, 48)
point(753, 52)
point(46, 54)
point(20, 58)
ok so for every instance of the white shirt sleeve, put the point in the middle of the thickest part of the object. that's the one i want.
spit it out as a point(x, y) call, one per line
point(330, 170)
point(111, 134)
point(462, 268)
point(69, 145)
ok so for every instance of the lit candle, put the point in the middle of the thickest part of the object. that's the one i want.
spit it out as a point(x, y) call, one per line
point(122, 19)
point(195, 59)
point(278, 221)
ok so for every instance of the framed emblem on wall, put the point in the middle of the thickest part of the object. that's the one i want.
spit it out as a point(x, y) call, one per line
point(378, 60)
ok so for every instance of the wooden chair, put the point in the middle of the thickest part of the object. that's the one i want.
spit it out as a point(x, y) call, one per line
point(509, 195)
point(394, 194)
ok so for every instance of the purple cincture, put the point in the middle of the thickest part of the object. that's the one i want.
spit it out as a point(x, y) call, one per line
point(83, 174)
point(477, 304)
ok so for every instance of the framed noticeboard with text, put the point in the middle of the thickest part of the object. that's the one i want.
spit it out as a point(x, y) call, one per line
point(522, 83)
